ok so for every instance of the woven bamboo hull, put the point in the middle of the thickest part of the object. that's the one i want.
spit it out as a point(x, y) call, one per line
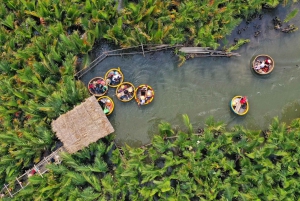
point(92, 84)
point(130, 89)
point(110, 107)
point(111, 71)
point(236, 106)
point(137, 94)
point(262, 57)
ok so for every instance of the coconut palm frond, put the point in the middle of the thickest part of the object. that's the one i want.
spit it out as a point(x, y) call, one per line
point(291, 15)
point(9, 21)
point(187, 123)
point(93, 180)
point(89, 194)
point(165, 129)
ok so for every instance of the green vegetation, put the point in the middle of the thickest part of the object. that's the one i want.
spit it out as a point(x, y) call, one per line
point(291, 15)
point(41, 45)
point(182, 165)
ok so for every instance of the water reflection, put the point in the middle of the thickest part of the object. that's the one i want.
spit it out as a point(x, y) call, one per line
point(203, 87)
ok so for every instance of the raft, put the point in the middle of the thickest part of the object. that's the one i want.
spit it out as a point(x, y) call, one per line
point(125, 91)
point(144, 93)
point(107, 104)
point(237, 107)
point(110, 76)
point(97, 86)
point(263, 64)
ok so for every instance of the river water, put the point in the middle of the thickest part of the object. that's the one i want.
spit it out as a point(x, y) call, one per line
point(203, 87)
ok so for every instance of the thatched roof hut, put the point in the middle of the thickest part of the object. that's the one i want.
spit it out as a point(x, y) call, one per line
point(83, 125)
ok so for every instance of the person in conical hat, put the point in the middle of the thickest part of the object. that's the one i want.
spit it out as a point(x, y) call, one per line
point(268, 61)
point(108, 102)
point(142, 100)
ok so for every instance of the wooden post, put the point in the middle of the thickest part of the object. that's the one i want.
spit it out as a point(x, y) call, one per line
point(38, 170)
point(8, 190)
point(20, 183)
point(143, 49)
point(46, 159)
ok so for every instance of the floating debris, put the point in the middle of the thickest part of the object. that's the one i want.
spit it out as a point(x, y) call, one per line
point(256, 33)
point(277, 23)
point(289, 29)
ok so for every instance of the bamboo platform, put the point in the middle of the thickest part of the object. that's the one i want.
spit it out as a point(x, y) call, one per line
point(11, 189)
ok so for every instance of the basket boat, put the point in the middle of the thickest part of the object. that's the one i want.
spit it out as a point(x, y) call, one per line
point(237, 107)
point(125, 91)
point(97, 86)
point(107, 104)
point(144, 94)
point(263, 64)
point(114, 77)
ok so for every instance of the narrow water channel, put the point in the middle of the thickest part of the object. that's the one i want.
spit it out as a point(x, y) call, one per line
point(203, 87)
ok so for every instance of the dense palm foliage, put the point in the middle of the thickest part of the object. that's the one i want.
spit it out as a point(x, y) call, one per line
point(40, 43)
point(213, 165)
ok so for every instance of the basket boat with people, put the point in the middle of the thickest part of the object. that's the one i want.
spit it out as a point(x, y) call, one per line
point(144, 94)
point(97, 86)
point(114, 77)
point(107, 104)
point(263, 64)
point(125, 91)
point(239, 105)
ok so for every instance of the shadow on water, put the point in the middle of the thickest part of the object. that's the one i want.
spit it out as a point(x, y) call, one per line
point(203, 87)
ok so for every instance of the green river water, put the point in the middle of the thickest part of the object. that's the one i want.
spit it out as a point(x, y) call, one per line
point(203, 87)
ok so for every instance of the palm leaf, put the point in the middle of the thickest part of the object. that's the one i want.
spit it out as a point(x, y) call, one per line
point(77, 178)
point(165, 129)
point(291, 15)
point(93, 180)
point(9, 21)
point(89, 194)
point(187, 123)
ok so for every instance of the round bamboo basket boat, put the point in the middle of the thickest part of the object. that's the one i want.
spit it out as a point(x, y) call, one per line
point(107, 104)
point(95, 84)
point(109, 74)
point(139, 94)
point(237, 107)
point(121, 91)
point(260, 60)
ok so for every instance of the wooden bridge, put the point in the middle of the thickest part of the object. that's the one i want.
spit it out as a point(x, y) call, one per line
point(21, 182)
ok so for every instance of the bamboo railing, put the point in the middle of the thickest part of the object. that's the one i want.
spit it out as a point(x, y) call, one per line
point(141, 49)
point(144, 49)
point(21, 182)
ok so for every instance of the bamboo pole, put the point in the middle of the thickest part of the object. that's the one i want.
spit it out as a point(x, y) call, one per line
point(143, 50)
point(37, 170)
point(8, 190)
point(20, 183)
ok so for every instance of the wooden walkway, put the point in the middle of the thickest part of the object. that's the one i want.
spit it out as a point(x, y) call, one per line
point(206, 52)
point(11, 189)
point(144, 49)
point(141, 49)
